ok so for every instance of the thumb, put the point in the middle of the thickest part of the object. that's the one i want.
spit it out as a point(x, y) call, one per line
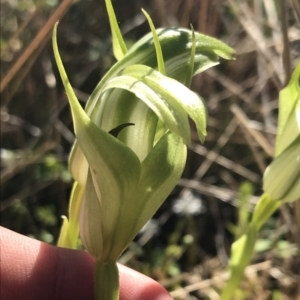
point(34, 270)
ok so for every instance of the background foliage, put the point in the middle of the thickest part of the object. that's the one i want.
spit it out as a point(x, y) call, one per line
point(186, 245)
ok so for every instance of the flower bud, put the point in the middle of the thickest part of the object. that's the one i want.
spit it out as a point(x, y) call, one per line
point(282, 177)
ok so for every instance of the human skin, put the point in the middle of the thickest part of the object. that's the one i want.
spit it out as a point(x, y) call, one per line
point(34, 270)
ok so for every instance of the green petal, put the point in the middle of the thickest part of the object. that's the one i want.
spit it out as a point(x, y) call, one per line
point(114, 167)
point(101, 150)
point(283, 173)
point(166, 109)
point(74, 211)
point(115, 171)
point(64, 240)
point(78, 164)
point(294, 192)
point(159, 54)
point(190, 71)
point(289, 113)
point(119, 46)
point(90, 221)
point(126, 107)
point(176, 45)
point(290, 130)
point(161, 171)
point(174, 93)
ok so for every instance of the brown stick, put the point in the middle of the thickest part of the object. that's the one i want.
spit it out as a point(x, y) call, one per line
point(59, 12)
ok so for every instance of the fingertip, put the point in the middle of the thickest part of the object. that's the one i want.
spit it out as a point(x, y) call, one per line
point(41, 271)
point(34, 270)
point(136, 286)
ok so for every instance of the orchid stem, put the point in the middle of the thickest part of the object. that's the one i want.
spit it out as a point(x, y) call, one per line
point(106, 281)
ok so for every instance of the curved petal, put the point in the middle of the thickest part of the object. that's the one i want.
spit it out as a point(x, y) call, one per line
point(161, 171)
point(174, 94)
point(176, 45)
point(78, 165)
point(90, 221)
point(167, 109)
point(289, 113)
point(281, 176)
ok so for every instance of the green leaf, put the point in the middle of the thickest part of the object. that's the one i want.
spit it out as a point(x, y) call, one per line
point(119, 46)
point(159, 54)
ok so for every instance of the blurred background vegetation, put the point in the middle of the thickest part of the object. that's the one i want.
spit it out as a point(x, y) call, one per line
point(186, 245)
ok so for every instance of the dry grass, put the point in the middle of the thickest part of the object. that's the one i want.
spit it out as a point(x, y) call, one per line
point(242, 100)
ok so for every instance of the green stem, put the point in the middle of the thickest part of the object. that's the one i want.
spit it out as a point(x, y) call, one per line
point(106, 281)
point(242, 249)
point(264, 209)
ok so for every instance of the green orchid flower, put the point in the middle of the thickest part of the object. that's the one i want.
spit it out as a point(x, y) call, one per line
point(131, 140)
point(281, 181)
point(282, 177)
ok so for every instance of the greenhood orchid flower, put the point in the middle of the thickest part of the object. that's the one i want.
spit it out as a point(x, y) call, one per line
point(281, 181)
point(282, 177)
point(124, 173)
